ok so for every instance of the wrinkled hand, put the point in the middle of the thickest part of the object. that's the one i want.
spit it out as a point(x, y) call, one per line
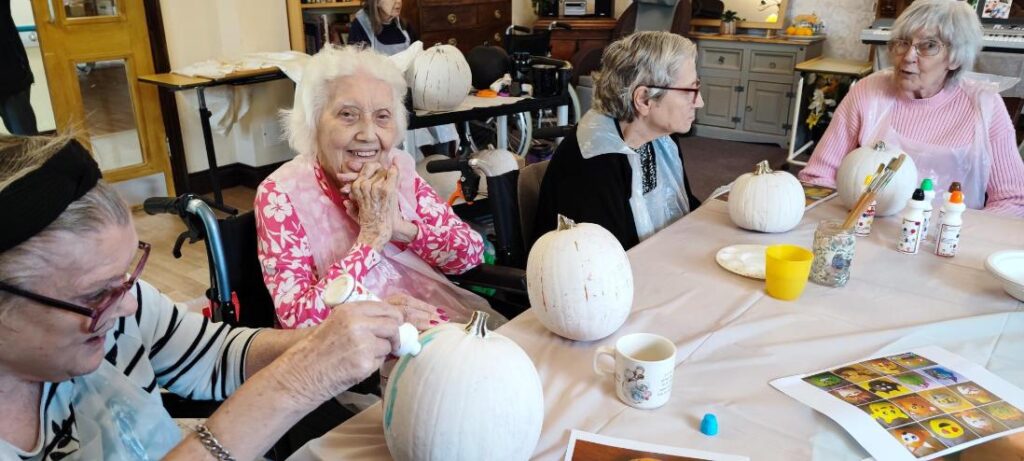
point(373, 204)
point(345, 349)
point(420, 314)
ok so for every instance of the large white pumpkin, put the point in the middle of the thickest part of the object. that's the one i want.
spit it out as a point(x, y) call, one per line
point(766, 200)
point(440, 78)
point(864, 161)
point(470, 395)
point(579, 281)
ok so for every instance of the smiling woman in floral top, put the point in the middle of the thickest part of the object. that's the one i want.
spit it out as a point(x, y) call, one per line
point(351, 203)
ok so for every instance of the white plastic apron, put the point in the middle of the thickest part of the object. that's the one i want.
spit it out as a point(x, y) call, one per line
point(968, 164)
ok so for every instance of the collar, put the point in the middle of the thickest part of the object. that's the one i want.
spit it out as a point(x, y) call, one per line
point(326, 186)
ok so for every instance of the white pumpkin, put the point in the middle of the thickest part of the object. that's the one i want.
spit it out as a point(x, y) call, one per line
point(471, 394)
point(579, 281)
point(863, 161)
point(440, 78)
point(766, 200)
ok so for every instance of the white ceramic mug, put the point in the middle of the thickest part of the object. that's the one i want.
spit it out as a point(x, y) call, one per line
point(644, 366)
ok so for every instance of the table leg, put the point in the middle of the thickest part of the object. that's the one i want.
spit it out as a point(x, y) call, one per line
point(502, 131)
point(211, 155)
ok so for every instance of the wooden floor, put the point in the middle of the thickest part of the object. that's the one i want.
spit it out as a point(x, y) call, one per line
point(106, 99)
point(187, 278)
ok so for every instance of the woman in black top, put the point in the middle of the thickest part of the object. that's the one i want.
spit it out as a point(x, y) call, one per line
point(622, 170)
point(379, 26)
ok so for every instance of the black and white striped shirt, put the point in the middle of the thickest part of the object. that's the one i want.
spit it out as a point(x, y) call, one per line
point(161, 346)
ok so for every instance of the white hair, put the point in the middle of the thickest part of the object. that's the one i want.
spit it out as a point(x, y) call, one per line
point(954, 23)
point(313, 91)
point(642, 58)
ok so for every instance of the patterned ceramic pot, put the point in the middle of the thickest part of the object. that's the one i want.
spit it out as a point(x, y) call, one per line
point(833, 253)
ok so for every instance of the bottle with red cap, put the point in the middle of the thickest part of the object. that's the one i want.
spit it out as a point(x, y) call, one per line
point(947, 242)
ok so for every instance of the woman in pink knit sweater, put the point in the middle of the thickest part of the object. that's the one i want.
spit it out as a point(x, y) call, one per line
point(955, 129)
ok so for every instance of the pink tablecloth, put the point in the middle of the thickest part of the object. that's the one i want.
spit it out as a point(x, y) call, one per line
point(733, 339)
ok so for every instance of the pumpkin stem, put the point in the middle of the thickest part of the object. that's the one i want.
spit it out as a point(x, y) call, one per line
point(477, 325)
point(879, 146)
point(565, 223)
point(762, 168)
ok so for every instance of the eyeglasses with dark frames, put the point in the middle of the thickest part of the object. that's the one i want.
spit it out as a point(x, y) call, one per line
point(925, 48)
point(102, 311)
point(695, 90)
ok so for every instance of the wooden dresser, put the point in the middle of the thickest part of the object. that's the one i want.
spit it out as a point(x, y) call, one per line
point(588, 33)
point(462, 23)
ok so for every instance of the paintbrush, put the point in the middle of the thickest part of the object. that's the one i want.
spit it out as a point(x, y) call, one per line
point(877, 184)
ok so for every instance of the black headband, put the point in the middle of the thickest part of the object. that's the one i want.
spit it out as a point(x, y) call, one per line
point(37, 199)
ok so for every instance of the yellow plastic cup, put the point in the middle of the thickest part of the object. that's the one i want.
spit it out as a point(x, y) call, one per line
point(786, 270)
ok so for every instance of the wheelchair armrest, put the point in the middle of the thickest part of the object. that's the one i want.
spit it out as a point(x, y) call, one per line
point(503, 278)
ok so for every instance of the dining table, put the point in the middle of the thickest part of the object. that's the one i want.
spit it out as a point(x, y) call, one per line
point(732, 338)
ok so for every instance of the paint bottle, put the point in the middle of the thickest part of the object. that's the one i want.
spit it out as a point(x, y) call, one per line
point(866, 218)
point(947, 241)
point(955, 186)
point(929, 196)
point(913, 219)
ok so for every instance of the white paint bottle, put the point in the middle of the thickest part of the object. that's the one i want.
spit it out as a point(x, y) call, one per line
point(947, 241)
point(913, 221)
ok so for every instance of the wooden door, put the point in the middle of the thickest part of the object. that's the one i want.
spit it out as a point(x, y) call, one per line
point(93, 52)
point(720, 102)
point(767, 109)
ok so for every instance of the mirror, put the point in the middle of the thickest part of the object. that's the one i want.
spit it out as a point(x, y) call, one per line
point(757, 14)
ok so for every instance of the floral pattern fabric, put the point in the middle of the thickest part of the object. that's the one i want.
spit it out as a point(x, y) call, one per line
point(289, 270)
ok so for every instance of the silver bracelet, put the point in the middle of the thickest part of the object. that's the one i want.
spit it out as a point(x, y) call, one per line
point(212, 445)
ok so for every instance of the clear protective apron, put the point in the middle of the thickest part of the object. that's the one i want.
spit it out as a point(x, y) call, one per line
point(969, 164)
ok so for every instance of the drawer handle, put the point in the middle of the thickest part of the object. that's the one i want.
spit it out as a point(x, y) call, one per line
point(721, 59)
point(452, 41)
point(750, 109)
point(771, 65)
point(452, 19)
point(497, 38)
point(497, 14)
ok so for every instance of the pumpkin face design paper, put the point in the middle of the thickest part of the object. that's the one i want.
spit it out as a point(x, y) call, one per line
point(856, 373)
point(1007, 414)
point(854, 395)
point(979, 422)
point(885, 388)
point(886, 414)
point(944, 376)
point(915, 381)
point(975, 393)
point(917, 407)
point(884, 366)
point(911, 360)
point(946, 399)
point(948, 431)
point(826, 381)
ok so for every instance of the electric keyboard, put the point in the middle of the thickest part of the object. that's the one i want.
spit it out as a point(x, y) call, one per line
point(995, 38)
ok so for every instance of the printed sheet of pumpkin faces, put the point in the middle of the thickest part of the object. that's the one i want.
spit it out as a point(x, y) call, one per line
point(925, 406)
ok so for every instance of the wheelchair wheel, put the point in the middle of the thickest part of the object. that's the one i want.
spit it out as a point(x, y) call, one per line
point(484, 133)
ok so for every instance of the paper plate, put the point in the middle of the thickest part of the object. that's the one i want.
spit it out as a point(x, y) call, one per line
point(745, 260)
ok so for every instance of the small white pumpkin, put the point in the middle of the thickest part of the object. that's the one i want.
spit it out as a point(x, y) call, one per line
point(471, 394)
point(440, 78)
point(766, 200)
point(579, 281)
point(863, 161)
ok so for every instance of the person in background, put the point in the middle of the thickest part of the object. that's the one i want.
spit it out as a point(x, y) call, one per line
point(954, 128)
point(15, 77)
point(621, 169)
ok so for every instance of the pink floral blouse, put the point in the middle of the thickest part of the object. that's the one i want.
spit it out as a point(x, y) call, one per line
point(444, 241)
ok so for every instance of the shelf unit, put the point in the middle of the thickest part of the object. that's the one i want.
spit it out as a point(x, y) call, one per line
point(296, 33)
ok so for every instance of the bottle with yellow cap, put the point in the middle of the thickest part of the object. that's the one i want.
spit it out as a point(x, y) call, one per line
point(947, 242)
point(864, 221)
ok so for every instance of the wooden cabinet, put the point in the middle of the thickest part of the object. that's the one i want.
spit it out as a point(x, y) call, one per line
point(586, 34)
point(461, 23)
point(748, 87)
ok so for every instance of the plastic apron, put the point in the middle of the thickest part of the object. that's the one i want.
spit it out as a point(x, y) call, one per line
point(116, 420)
point(968, 164)
point(419, 136)
point(653, 211)
point(331, 234)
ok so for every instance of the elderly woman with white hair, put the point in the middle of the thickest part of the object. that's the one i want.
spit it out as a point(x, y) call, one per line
point(954, 129)
point(621, 169)
point(86, 346)
point(350, 203)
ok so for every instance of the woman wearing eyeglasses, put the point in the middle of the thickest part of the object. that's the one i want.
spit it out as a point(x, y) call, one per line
point(954, 128)
point(621, 169)
point(86, 346)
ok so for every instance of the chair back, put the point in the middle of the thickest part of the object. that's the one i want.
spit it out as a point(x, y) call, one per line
point(245, 274)
point(530, 178)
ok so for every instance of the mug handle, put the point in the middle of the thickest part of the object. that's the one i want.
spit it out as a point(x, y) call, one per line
point(603, 350)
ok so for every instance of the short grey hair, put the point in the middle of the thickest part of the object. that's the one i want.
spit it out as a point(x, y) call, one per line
point(312, 92)
point(642, 58)
point(98, 209)
point(955, 23)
